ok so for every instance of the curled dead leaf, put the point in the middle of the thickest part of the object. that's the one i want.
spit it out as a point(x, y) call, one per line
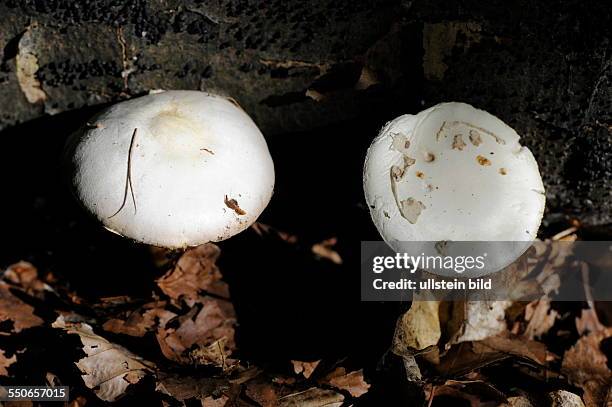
point(418, 328)
point(6, 362)
point(108, 369)
point(586, 366)
point(352, 382)
point(204, 335)
point(540, 318)
point(17, 312)
point(140, 321)
point(194, 273)
point(305, 368)
point(313, 397)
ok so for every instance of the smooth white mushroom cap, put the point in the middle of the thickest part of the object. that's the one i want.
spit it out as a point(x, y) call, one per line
point(453, 173)
point(200, 169)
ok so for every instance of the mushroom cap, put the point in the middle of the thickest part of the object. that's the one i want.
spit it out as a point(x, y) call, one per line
point(198, 167)
point(454, 173)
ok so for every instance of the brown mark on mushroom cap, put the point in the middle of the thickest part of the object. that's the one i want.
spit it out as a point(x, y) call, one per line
point(483, 160)
point(233, 205)
point(411, 209)
point(503, 171)
point(458, 143)
point(475, 138)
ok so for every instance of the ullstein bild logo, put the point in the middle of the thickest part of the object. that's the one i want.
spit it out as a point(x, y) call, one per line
point(565, 271)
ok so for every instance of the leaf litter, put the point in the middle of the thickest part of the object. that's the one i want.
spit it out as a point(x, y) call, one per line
point(448, 350)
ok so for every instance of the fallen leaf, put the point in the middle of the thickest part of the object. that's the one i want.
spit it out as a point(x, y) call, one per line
point(586, 366)
point(108, 369)
point(315, 95)
point(183, 387)
point(481, 320)
point(562, 398)
point(210, 401)
point(16, 311)
point(313, 397)
point(455, 390)
point(6, 362)
point(263, 393)
point(262, 230)
point(589, 321)
point(517, 402)
point(79, 401)
point(140, 321)
point(204, 335)
point(366, 79)
point(540, 318)
point(352, 382)
point(25, 275)
point(514, 346)
point(325, 250)
point(305, 368)
point(195, 273)
point(418, 328)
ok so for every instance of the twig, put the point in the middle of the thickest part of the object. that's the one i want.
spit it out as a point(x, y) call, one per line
point(128, 178)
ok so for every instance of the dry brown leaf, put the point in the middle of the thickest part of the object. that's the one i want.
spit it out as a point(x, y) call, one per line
point(305, 368)
point(586, 367)
point(23, 403)
point(18, 312)
point(451, 391)
point(514, 346)
point(262, 230)
point(325, 250)
point(482, 319)
point(194, 273)
point(352, 382)
point(313, 397)
point(589, 322)
point(183, 387)
point(5, 363)
point(263, 393)
point(205, 335)
point(540, 318)
point(25, 275)
point(418, 328)
point(210, 401)
point(562, 398)
point(517, 402)
point(366, 79)
point(140, 321)
point(108, 369)
point(79, 401)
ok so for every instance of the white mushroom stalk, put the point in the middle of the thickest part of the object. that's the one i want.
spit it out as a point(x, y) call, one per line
point(453, 173)
point(173, 169)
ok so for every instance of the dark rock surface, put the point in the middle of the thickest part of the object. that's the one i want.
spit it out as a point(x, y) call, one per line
point(319, 70)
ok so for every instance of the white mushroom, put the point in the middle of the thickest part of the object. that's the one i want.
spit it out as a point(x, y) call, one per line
point(454, 173)
point(173, 169)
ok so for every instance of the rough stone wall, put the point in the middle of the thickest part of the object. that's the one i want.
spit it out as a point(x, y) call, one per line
point(542, 66)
